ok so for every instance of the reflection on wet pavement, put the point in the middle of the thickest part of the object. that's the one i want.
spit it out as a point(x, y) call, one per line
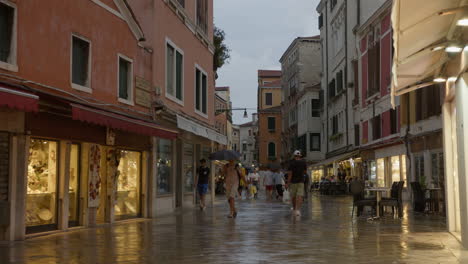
point(262, 233)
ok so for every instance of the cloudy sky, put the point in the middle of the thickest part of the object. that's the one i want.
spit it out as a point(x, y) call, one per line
point(258, 32)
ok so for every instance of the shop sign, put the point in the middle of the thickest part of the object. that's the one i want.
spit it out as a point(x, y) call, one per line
point(94, 182)
point(142, 92)
point(200, 130)
point(142, 84)
point(142, 98)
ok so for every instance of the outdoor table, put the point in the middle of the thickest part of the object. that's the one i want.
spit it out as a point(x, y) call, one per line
point(378, 191)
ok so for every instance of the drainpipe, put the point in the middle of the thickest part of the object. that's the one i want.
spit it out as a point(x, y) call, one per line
point(346, 72)
point(325, 94)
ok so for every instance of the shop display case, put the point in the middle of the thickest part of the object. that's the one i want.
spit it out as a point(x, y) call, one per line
point(41, 199)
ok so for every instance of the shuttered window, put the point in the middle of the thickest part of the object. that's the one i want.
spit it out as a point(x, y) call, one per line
point(271, 123)
point(339, 81)
point(268, 99)
point(314, 141)
point(174, 72)
point(315, 106)
point(80, 61)
point(125, 83)
point(201, 92)
point(271, 150)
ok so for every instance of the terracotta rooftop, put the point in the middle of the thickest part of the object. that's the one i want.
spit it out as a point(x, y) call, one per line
point(222, 88)
point(269, 73)
point(276, 83)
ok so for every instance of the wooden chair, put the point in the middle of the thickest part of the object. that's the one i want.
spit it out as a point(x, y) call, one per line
point(357, 190)
point(396, 201)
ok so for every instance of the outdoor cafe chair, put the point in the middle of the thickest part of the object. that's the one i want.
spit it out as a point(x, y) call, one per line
point(357, 190)
point(395, 201)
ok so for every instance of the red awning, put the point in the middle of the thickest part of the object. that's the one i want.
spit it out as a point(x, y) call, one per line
point(120, 122)
point(19, 100)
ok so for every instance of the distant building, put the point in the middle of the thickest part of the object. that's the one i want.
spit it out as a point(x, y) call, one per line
point(248, 150)
point(301, 126)
point(236, 138)
point(225, 94)
point(268, 141)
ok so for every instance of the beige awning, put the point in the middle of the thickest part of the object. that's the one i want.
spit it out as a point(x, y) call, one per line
point(336, 159)
point(422, 30)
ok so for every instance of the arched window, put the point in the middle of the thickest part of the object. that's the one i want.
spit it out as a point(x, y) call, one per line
point(271, 149)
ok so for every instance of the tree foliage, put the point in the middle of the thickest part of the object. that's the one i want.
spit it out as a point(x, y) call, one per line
point(221, 55)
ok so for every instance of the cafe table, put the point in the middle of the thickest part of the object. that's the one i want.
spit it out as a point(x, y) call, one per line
point(378, 194)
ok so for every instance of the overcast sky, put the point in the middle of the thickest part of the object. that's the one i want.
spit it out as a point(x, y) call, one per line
point(258, 32)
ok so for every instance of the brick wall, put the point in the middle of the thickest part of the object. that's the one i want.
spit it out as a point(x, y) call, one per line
point(4, 165)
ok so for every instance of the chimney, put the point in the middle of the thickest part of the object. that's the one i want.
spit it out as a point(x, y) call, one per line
point(254, 117)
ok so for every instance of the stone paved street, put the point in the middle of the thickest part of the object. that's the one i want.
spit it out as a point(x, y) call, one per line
point(262, 233)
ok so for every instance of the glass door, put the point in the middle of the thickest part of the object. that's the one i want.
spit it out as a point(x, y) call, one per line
point(74, 186)
point(128, 202)
point(41, 197)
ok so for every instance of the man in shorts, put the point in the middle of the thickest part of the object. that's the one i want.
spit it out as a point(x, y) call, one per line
point(295, 182)
point(203, 175)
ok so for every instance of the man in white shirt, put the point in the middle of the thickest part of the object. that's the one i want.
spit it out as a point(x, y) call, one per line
point(268, 182)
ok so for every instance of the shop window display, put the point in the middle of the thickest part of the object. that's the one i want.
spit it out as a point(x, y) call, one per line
point(205, 154)
point(381, 172)
point(372, 173)
point(41, 199)
point(127, 204)
point(73, 186)
point(187, 164)
point(164, 166)
point(395, 160)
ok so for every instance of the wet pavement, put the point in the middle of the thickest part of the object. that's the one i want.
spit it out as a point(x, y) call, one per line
point(263, 232)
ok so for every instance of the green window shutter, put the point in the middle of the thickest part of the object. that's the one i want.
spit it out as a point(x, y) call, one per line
point(197, 89)
point(271, 149)
point(80, 64)
point(179, 72)
point(204, 94)
point(271, 123)
point(124, 74)
point(170, 69)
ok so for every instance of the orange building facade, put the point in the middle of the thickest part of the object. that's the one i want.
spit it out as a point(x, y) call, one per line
point(268, 139)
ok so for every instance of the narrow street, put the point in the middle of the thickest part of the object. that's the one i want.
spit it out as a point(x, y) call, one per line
point(262, 233)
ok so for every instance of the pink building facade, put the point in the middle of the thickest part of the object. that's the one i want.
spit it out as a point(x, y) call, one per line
point(91, 130)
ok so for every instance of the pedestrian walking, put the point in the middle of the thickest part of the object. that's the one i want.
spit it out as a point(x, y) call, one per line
point(254, 178)
point(268, 182)
point(232, 175)
point(297, 169)
point(203, 176)
point(279, 182)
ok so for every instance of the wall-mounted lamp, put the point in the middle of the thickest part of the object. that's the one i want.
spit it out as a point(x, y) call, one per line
point(453, 48)
point(440, 79)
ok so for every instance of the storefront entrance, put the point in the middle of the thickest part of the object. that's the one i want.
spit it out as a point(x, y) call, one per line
point(42, 186)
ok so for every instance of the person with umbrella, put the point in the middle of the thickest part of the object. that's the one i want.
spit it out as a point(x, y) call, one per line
point(231, 176)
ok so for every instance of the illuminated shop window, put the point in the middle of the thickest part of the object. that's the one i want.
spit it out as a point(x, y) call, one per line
point(41, 198)
point(127, 204)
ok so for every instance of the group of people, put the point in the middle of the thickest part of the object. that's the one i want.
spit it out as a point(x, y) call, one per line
point(236, 181)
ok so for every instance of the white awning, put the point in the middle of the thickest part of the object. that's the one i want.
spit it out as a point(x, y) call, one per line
point(336, 158)
point(200, 130)
point(421, 31)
